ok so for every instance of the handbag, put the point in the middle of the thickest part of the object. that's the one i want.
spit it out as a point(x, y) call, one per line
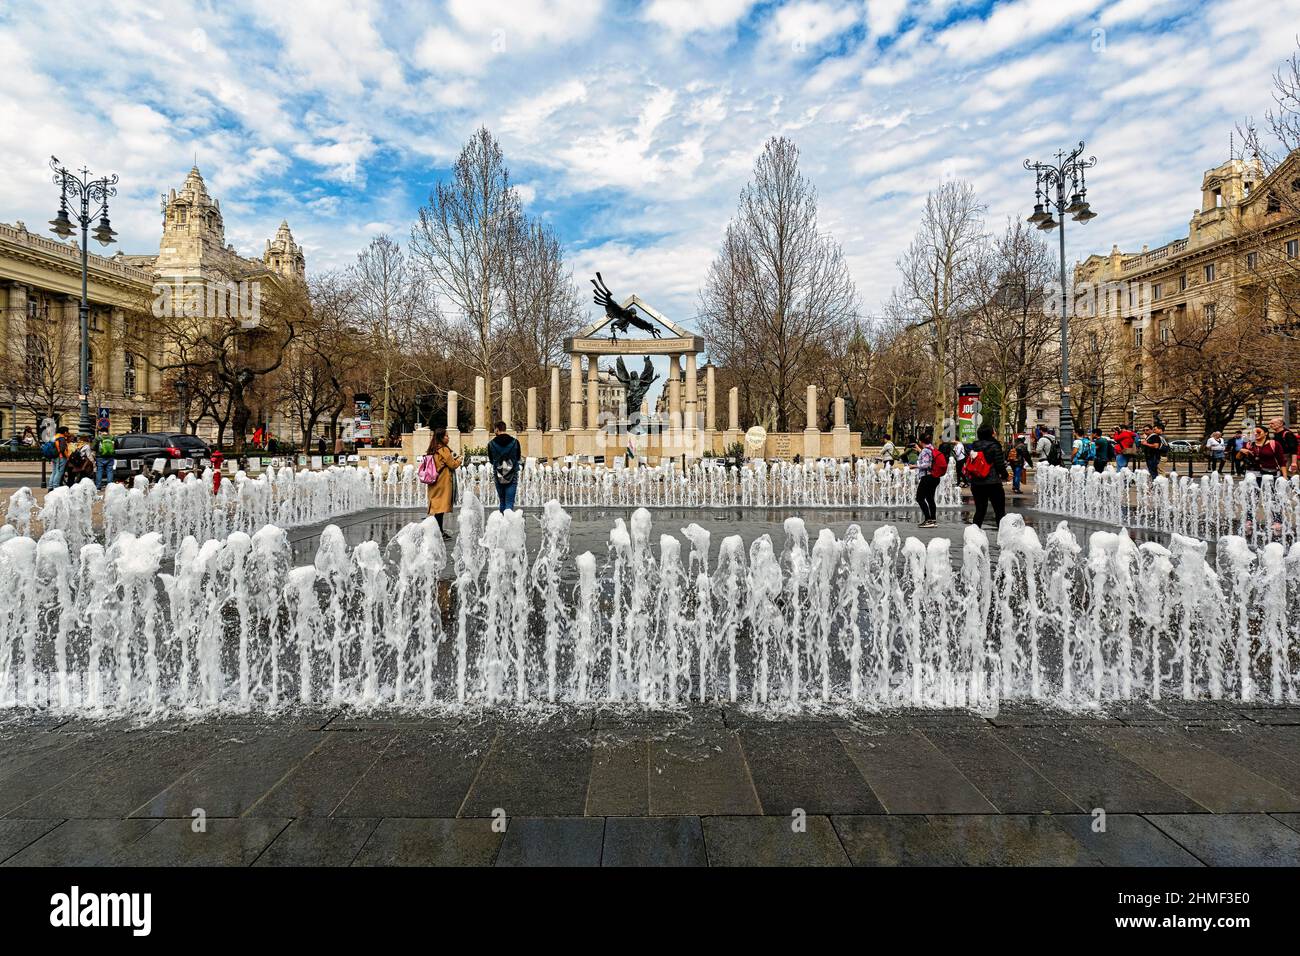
point(428, 471)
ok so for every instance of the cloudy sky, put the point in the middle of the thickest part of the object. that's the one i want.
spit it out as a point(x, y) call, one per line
point(631, 126)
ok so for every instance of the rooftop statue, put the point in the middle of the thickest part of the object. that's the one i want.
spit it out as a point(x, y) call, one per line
point(623, 318)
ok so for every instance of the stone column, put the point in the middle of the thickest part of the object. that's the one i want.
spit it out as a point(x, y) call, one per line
point(732, 434)
point(453, 420)
point(506, 410)
point(555, 398)
point(692, 394)
point(674, 393)
point(841, 440)
point(575, 392)
point(533, 444)
point(812, 437)
point(479, 438)
point(710, 399)
point(593, 393)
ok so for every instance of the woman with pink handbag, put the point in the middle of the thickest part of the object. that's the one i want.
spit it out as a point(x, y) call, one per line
point(436, 471)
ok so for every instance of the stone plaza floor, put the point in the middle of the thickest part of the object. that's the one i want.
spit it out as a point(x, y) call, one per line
point(1181, 784)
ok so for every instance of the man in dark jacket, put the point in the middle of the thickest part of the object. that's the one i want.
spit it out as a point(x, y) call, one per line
point(986, 485)
point(504, 453)
point(1105, 452)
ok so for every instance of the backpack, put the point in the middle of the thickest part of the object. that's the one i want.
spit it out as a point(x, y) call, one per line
point(428, 470)
point(49, 449)
point(977, 465)
point(107, 446)
point(1087, 449)
point(938, 464)
point(505, 471)
point(1053, 452)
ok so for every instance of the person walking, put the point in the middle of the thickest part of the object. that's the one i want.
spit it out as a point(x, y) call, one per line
point(442, 491)
point(1042, 449)
point(57, 450)
point(931, 464)
point(986, 470)
point(81, 461)
point(1154, 447)
point(1085, 450)
point(1217, 448)
point(1235, 447)
point(1287, 441)
point(1103, 451)
point(1125, 439)
point(1017, 456)
point(887, 451)
point(105, 463)
point(504, 453)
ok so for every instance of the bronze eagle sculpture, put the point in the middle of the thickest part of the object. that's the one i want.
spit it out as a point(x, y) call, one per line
point(623, 318)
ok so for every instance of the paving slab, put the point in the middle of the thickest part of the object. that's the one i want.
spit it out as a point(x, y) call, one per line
point(321, 781)
point(1242, 745)
point(1127, 840)
point(1275, 716)
point(147, 763)
point(242, 770)
point(532, 773)
point(1209, 778)
point(428, 842)
point(894, 841)
point(654, 841)
point(319, 841)
point(998, 772)
point(17, 835)
point(223, 843)
point(772, 841)
point(805, 768)
point(1093, 774)
point(37, 774)
point(82, 843)
point(909, 774)
point(552, 841)
point(702, 774)
point(1233, 839)
point(1290, 819)
point(620, 777)
point(420, 774)
point(1010, 840)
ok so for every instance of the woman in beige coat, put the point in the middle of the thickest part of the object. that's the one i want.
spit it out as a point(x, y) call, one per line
point(441, 491)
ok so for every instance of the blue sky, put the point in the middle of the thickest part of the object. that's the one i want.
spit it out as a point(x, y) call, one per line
point(631, 126)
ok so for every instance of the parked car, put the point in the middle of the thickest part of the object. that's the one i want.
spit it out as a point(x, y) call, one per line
point(177, 452)
point(1181, 446)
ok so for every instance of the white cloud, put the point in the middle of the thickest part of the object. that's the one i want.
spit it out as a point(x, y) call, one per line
point(692, 16)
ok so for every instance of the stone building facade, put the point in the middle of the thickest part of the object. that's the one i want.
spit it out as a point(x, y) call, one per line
point(40, 291)
point(1241, 253)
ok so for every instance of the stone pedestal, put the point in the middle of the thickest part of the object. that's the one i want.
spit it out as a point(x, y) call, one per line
point(841, 439)
point(812, 436)
point(507, 410)
point(533, 447)
point(479, 437)
point(732, 434)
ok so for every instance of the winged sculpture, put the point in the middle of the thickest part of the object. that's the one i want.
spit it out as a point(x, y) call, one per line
point(623, 318)
point(635, 385)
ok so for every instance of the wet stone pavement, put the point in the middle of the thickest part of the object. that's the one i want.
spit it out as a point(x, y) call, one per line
point(1180, 783)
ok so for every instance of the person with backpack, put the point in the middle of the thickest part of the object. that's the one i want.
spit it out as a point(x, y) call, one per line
point(1155, 446)
point(931, 465)
point(442, 491)
point(1017, 458)
point(81, 461)
point(1085, 450)
point(105, 449)
point(1125, 439)
point(986, 470)
point(57, 449)
point(1288, 442)
point(504, 454)
point(1103, 451)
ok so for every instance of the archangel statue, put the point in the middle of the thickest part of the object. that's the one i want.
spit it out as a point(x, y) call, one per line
point(635, 385)
point(623, 318)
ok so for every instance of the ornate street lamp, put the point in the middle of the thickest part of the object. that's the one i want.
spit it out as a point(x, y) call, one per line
point(89, 192)
point(1050, 186)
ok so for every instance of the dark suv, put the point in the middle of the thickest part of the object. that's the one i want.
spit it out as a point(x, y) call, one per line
point(178, 452)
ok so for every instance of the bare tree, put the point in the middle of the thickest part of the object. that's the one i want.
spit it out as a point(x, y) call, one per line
point(779, 286)
point(899, 371)
point(1011, 330)
point(939, 277)
point(41, 372)
point(394, 312)
point(463, 242)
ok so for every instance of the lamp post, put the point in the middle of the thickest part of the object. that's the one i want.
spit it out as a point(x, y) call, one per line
point(1093, 385)
point(88, 192)
point(1050, 181)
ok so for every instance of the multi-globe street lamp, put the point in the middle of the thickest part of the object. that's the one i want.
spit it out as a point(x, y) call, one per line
point(90, 192)
point(1051, 184)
